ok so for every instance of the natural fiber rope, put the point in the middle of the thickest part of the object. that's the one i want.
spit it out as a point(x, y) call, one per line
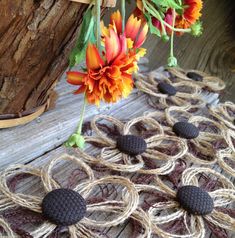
point(7, 229)
point(221, 196)
point(220, 112)
point(211, 82)
point(203, 142)
point(111, 157)
point(123, 208)
point(149, 86)
point(226, 154)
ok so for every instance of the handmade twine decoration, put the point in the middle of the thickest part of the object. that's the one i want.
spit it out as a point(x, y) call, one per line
point(69, 207)
point(198, 78)
point(128, 152)
point(191, 206)
point(226, 160)
point(224, 113)
point(203, 136)
point(166, 93)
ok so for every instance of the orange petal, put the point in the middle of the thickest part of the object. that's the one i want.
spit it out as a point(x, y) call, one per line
point(82, 89)
point(139, 4)
point(132, 27)
point(142, 36)
point(93, 59)
point(116, 19)
point(112, 45)
point(75, 78)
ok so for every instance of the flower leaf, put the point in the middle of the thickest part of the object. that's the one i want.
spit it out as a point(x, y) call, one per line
point(167, 4)
point(86, 35)
point(152, 28)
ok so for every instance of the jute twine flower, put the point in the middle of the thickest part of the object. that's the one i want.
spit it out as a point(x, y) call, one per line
point(129, 151)
point(185, 211)
point(203, 136)
point(166, 93)
point(63, 207)
point(198, 78)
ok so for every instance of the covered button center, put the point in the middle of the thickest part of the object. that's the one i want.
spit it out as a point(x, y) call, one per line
point(63, 207)
point(186, 130)
point(131, 144)
point(195, 200)
point(194, 76)
point(166, 88)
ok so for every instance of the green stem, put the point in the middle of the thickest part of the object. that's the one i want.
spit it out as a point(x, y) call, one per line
point(172, 36)
point(123, 15)
point(79, 130)
point(98, 15)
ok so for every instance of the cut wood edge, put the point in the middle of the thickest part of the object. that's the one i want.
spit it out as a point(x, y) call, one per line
point(105, 3)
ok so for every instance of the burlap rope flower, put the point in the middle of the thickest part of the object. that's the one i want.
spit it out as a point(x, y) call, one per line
point(189, 209)
point(203, 136)
point(71, 207)
point(164, 92)
point(128, 151)
point(205, 81)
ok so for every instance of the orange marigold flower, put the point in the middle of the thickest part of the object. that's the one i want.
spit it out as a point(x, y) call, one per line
point(135, 31)
point(110, 80)
point(191, 13)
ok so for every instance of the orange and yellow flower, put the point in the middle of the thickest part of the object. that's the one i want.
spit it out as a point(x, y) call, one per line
point(135, 30)
point(191, 13)
point(109, 76)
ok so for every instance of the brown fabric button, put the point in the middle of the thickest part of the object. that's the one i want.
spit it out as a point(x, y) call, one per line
point(63, 207)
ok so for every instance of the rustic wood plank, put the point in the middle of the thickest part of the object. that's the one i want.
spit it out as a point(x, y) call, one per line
point(24, 143)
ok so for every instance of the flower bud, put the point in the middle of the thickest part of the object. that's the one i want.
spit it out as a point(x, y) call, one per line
point(172, 61)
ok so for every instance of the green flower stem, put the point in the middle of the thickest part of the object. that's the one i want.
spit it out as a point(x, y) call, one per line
point(172, 36)
point(172, 61)
point(98, 16)
point(123, 15)
point(79, 130)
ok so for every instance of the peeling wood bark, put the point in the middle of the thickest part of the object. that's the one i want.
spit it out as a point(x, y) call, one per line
point(36, 37)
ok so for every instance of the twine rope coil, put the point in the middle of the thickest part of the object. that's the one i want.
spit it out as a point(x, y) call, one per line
point(211, 82)
point(122, 208)
point(185, 92)
point(111, 157)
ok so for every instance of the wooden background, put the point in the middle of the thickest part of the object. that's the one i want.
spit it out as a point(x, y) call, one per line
point(213, 52)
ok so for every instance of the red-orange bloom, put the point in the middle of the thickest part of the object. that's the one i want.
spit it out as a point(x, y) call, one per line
point(191, 14)
point(109, 75)
point(136, 30)
point(110, 80)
